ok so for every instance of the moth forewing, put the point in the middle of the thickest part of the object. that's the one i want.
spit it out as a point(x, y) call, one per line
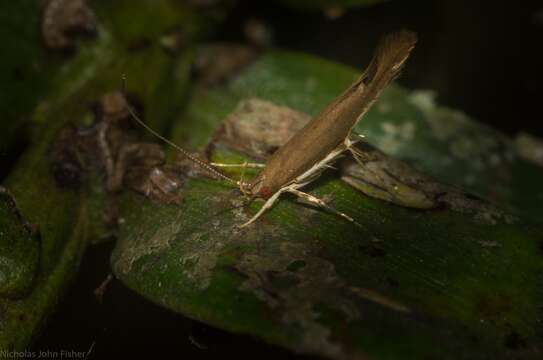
point(333, 125)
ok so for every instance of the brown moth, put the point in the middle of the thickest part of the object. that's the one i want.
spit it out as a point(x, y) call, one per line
point(333, 125)
point(319, 143)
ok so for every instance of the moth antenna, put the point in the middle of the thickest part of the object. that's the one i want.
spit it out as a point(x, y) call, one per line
point(185, 153)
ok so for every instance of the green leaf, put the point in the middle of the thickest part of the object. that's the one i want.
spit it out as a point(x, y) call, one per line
point(19, 250)
point(307, 280)
point(64, 205)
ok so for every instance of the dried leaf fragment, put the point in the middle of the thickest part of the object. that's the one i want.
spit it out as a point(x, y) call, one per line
point(259, 127)
point(63, 18)
point(376, 174)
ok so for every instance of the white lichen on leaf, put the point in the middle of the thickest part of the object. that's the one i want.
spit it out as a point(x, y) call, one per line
point(395, 135)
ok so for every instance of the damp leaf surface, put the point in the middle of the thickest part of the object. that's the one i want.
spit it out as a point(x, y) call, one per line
point(302, 278)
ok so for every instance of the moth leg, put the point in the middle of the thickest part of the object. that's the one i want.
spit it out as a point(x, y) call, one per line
point(268, 204)
point(244, 165)
point(242, 182)
point(320, 203)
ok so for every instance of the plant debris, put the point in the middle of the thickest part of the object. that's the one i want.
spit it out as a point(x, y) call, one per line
point(64, 18)
point(378, 175)
point(65, 162)
point(258, 127)
point(126, 161)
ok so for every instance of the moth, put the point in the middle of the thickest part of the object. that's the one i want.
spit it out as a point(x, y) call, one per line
point(324, 139)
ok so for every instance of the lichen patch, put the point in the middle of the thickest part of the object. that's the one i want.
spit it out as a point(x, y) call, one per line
point(294, 294)
point(295, 291)
point(161, 238)
point(480, 148)
point(394, 136)
point(443, 123)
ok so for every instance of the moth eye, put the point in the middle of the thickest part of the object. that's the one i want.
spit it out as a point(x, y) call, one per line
point(366, 78)
point(369, 75)
point(272, 149)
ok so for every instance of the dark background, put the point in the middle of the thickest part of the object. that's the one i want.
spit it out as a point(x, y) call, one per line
point(482, 57)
